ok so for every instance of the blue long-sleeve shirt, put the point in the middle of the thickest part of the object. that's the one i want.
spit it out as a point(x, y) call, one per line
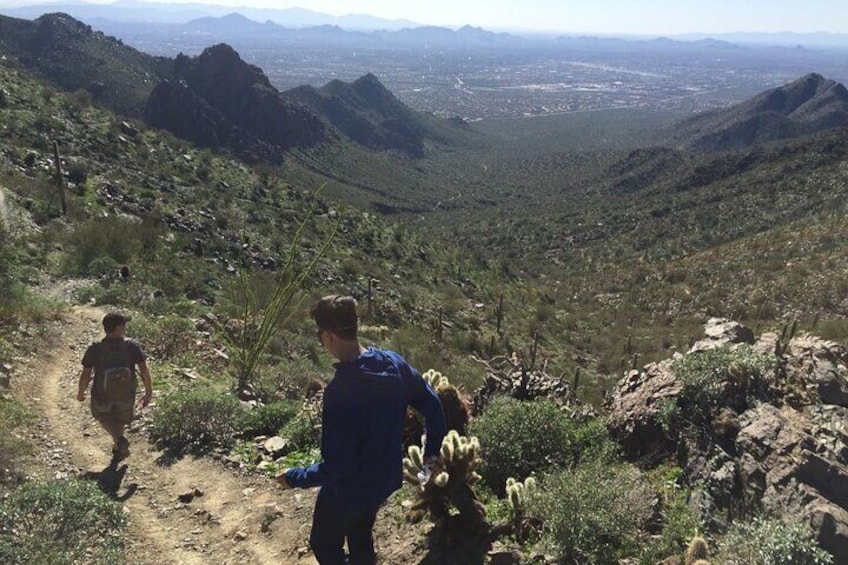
point(362, 435)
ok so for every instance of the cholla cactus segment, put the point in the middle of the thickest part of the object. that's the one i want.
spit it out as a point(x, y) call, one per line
point(442, 479)
point(509, 482)
point(454, 438)
point(410, 471)
point(701, 562)
point(447, 451)
point(515, 495)
point(416, 456)
point(435, 379)
point(698, 550)
point(515, 498)
point(530, 484)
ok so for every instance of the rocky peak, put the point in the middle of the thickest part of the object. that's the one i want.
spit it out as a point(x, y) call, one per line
point(248, 115)
point(58, 26)
point(372, 90)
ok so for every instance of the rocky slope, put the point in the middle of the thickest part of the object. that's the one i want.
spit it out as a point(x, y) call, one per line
point(774, 445)
point(73, 56)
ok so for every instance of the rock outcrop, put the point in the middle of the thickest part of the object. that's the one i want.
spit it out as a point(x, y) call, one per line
point(218, 100)
point(367, 113)
point(782, 450)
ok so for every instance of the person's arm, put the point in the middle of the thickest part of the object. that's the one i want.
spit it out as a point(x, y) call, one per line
point(148, 383)
point(84, 379)
point(338, 447)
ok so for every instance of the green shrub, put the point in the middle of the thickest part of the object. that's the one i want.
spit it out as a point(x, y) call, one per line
point(708, 375)
point(268, 419)
point(61, 522)
point(113, 237)
point(12, 448)
point(302, 433)
point(679, 524)
point(523, 438)
point(196, 421)
point(103, 267)
point(173, 336)
point(593, 513)
point(771, 542)
point(287, 378)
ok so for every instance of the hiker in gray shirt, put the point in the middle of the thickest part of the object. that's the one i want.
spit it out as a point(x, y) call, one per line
point(114, 361)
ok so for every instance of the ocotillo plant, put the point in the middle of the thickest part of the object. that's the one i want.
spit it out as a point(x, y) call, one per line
point(449, 486)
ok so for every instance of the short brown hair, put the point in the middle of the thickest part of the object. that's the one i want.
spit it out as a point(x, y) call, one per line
point(114, 319)
point(337, 314)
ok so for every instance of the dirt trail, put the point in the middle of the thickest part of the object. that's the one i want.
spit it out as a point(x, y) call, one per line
point(236, 520)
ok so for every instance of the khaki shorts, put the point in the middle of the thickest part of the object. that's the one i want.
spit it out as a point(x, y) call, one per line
point(108, 412)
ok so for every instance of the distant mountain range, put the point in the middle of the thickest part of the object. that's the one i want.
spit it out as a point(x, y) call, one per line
point(136, 11)
point(180, 13)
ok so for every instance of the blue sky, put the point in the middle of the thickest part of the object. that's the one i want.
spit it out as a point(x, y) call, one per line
point(651, 17)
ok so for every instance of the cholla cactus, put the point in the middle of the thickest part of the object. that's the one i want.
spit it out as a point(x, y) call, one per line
point(698, 551)
point(516, 494)
point(450, 483)
point(435, 379)
point(456, 409)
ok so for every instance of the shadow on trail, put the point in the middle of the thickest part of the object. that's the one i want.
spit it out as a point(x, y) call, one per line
point(110, 479)
point(172, 454)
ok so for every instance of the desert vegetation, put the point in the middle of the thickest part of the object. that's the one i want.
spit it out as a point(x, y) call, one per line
point(544, 263)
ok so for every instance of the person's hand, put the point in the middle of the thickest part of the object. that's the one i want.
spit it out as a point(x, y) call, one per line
point(81, 395)
point(434, 462)
point(281, 479)
point(145, 400)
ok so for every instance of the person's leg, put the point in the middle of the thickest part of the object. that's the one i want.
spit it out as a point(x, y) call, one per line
point(328, 532)
point(360, 538)
point(114, 421)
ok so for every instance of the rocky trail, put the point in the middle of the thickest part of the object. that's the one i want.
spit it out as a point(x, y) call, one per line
point(189, 511)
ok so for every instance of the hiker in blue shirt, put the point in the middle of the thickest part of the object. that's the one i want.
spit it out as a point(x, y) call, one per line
point(361, 438)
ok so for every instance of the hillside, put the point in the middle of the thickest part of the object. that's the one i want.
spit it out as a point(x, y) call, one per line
point(75, 57)
point(216, 100)
point(365, 112)
point(808, 105)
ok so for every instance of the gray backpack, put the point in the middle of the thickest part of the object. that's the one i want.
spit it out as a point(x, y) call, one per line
point(115, 374)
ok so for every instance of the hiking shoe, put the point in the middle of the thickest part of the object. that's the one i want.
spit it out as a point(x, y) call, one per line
point(122, 450)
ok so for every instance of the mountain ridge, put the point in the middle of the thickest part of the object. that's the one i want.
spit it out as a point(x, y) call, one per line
point(807, 105)
point(216, 99)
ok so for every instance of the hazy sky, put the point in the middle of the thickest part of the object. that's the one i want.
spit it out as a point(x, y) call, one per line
point(587, 16)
